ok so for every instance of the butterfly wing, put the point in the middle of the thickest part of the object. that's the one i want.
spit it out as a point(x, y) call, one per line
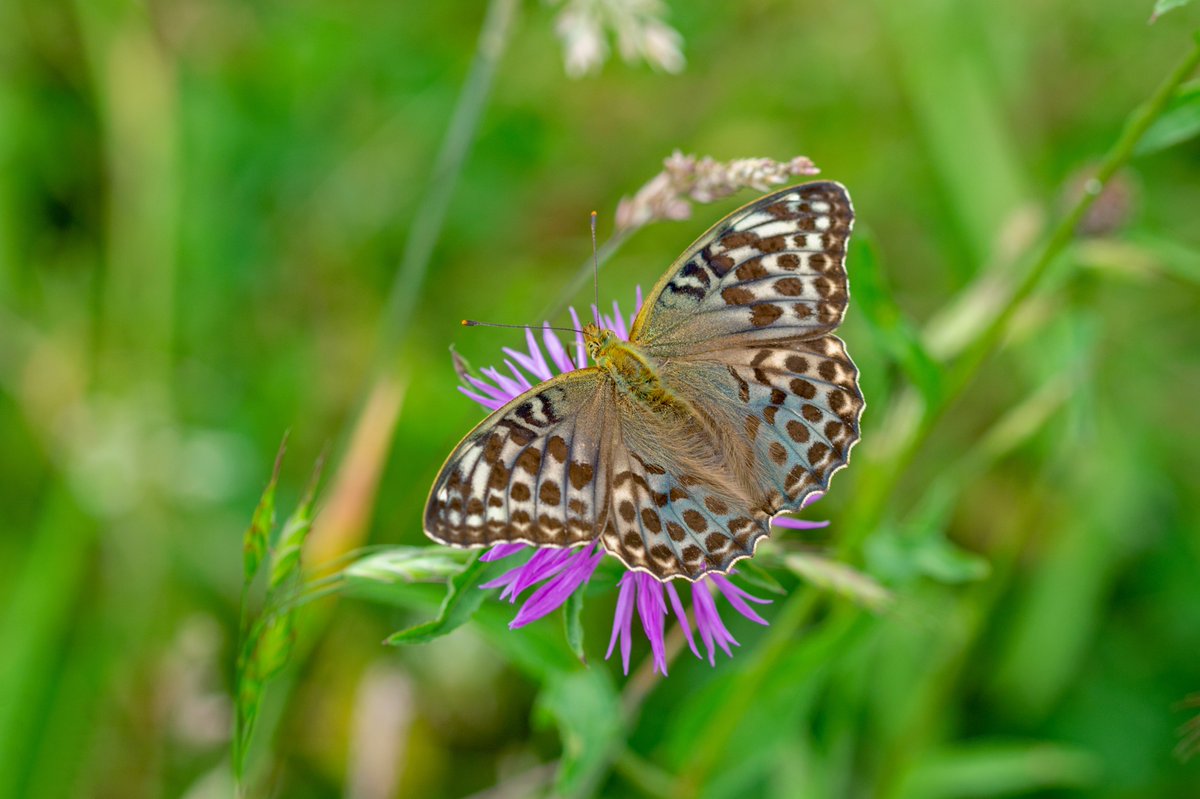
point(739, 329)
point(796, 404)
point(767, 427)
point(531, 471)
point(674, 511)
point(772, 270)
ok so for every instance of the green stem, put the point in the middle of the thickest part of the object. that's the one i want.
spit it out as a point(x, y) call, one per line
point(447, 167)
point(879, 480)
point(585, 271)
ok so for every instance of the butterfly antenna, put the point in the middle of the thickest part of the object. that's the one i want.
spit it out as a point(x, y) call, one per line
point(595, 272)
point(473, 323)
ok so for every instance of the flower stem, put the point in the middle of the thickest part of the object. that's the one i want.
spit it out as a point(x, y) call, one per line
point(584, 273)
point(431, 210)
point(881, 477)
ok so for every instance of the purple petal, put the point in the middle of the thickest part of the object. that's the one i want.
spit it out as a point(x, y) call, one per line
point(708, 621)
point(524, 381)
point(619, 320)
point(555, 348)
point(622, 619)
point(681, 614)
point(653, 610)
point(553, 593)
point(797, 524)
point(737, 597)
point(508, 385)
point(544, 564)
point(580, 349)
point(811, 498)
point(501, 551)
point(488, 388)
point(638, 305)
point(535, 366)
point(490, 404)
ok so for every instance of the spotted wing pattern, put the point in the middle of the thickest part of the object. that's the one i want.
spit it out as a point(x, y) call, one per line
point(774, 269)
point(765, 408)
point(677, 508)
point(531, 471)
point(772, 424)
point(796, 403)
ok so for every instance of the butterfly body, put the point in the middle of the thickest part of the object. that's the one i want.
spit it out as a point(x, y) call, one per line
point(634, 373)
point(730, 402)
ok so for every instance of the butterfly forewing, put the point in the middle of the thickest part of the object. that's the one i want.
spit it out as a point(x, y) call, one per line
point(774, 269)
point(532, 471)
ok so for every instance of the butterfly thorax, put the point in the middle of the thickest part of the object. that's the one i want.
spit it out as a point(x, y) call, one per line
point(634, 372)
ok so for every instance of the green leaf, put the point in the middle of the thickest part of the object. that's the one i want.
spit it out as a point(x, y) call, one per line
point(285, 556)
point(902, 557)
point(1163, 6)
point(407, 565)
point(839, 578)
point(1179, 121)
point(573, 624)
point(1003, 768)
point(463, 598)
point(264, 653)
point(892, 330)
point(759, 577)
point(254, 542)
point(585, 708)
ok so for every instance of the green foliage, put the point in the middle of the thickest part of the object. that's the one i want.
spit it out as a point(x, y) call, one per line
point(573, 625)
point(585, 707)
point(1163, 6)
point(463, 598)
point(1179, 122)
point(267, 640)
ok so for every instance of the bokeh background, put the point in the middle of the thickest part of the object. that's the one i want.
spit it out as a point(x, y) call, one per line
point(205, 206)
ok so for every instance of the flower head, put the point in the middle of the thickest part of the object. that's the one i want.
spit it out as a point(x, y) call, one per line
point(641, 34)
point(552, 575)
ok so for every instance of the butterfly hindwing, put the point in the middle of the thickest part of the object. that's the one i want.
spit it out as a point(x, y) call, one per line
point(772, 270)
point(675, 511)
point(796, 404)
point(531, 471)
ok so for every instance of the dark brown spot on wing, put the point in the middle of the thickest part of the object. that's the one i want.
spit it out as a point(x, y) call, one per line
point(549, 493)
point(580, 474)
point(557, 448)
point(763, 315)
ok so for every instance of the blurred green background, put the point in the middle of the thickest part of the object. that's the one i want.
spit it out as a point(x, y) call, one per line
point(205, 204)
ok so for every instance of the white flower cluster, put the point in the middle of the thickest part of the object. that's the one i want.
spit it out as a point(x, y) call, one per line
point(686, 179)
point(638, 26)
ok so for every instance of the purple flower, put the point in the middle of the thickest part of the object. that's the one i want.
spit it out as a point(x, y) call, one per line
point(555, 574)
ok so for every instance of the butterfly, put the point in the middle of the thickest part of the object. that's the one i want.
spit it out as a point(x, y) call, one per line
point(732, 401)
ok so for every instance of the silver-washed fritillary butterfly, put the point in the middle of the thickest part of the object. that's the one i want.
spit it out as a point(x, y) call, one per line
point(730, 402)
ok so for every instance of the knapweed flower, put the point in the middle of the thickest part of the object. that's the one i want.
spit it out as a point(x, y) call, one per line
point(552, 575)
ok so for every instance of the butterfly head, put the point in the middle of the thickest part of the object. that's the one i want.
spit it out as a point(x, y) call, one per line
point(599, 342)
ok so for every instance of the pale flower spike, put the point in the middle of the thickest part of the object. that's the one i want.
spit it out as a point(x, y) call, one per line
point(685, 179)
point(554, 574)
point(642, 35)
